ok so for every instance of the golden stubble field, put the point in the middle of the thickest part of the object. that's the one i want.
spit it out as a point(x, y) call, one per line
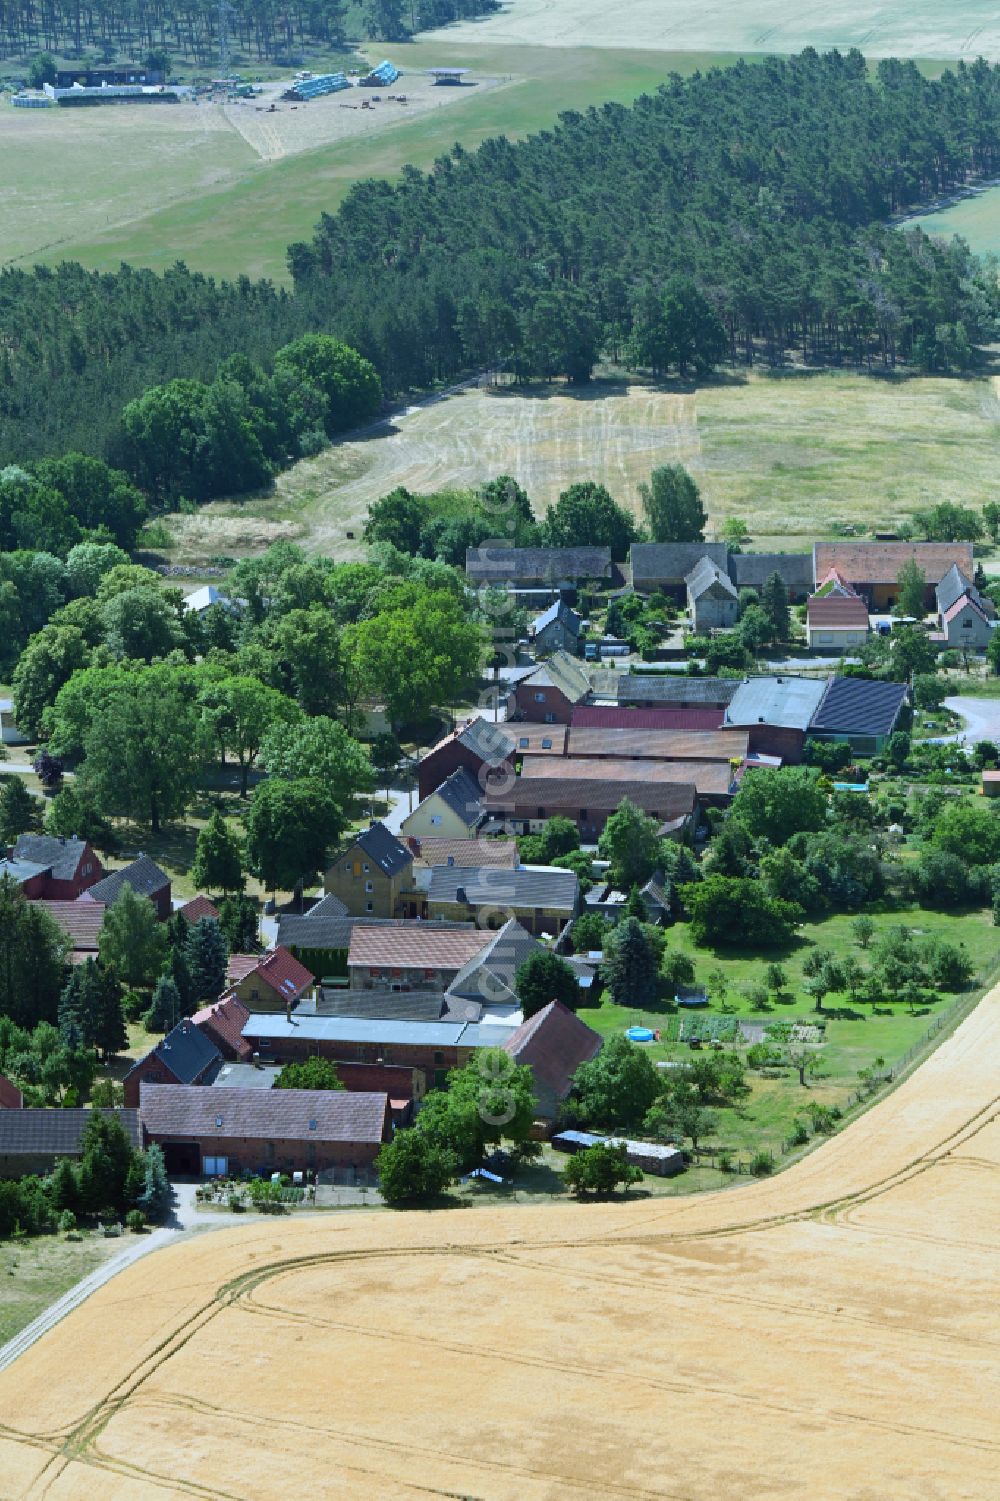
point(793, 455)
point(830, 1334)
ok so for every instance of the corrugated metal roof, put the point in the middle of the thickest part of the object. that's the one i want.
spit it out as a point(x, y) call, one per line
point(276, 1028)
point(664, 800)
point(787, 702)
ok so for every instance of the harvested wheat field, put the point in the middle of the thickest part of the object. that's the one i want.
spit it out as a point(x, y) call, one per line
point(831, 1333)
point(796, 455)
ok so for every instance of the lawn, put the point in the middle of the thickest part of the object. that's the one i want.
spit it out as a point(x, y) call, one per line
point(854, 1036)
point(976, 218)
point(795, 455)
point(35, 1272)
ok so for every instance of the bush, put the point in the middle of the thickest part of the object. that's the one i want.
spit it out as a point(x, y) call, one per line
point(761, 1164)
point(67, 1222)
point(599, 1169)
point(135, 1221)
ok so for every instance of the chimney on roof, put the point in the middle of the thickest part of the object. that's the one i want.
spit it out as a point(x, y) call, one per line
point(288, 1012)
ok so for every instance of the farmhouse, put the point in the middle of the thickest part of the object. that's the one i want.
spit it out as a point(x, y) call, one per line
point(553, 1043)
point(965, 617)
point(144, 877)
point(276, 982)
point(215, 1133)
point(321, 940)
point(663, 567)
point(452, 811)
point(589, 802)
point(712, 600)
point(872, 568)
point(550, 693)
point(532, 568)
point(53, 869)
point(32, 1141)
point(836, 617)
point(543, 898)
point(427, 1049)
point(428, 852)
point(222, 1022)
point(859, 712)
point(410, 956)
point(81, 922)
point(472, 746)
point(370, 875)
point(185, 1056)
point(556, 629)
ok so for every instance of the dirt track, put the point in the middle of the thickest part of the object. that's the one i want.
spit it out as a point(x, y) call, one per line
point(831, 1333)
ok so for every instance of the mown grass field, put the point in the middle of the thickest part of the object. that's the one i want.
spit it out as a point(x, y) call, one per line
point(976, 219)
point(244, 221)
point(794, 455)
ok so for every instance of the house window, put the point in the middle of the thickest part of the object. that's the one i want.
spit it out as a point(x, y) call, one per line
point(255, 995)
point(435, 819)
point(438, 1057)
point(966, 625)
point(369, 906)
point(524, 742)
point(215, 1167)
point(369, 885)
point(366, 868)
point(550, 719)
point(547, 743)
point(539, 698)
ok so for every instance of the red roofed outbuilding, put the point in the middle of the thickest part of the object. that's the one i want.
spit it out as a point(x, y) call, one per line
point(276, 982)
point(553, 1043)
point(222, 1023)
point(11, 1097)
point(198, 907)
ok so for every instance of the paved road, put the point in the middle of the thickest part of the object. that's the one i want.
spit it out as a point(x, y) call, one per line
point(981, 716)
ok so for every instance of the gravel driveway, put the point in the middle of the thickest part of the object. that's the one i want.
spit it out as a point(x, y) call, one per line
point(981, 716)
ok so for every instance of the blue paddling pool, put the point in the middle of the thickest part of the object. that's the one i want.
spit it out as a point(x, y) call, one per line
point(639, 1034)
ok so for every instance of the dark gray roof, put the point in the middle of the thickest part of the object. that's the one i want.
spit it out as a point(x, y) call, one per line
point(59, 1132)
point(859, 706)
point(671, 562)
point(246, 1076)
point(262, 1114)
point(463, 795)
point(390, 1005)
point(490, 742)
point(61, 856)
point(187, 1051)
point(781, 700)
point(267, 1028)
point(494, 886)
point(537, 564)
point(951, 588)
point(385, 849)
point(21, 871)
point(674, 688)
point(490, 975)
point(560, 611)
point(144, 876)
point(329, 906)
point(704, 575)
point(751, 570)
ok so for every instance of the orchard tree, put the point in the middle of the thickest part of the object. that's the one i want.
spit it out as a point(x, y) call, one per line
point(671, 504)
point(599, 1169)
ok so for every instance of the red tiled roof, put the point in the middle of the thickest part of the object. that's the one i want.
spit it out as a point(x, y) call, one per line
point(880, 562)
point(707, 776)
point(435, 851)
point(241, 965)
point(658, 745)
point(846, 612)
point(282, 970)
point(608, 717)
point(80, 920)
point(262, 1114)
point(664, 800)
point(223, 1021)
point(10, 1096)
point(412, 946)
point(554, 1042)
point(960, 604)
point(197, 908)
